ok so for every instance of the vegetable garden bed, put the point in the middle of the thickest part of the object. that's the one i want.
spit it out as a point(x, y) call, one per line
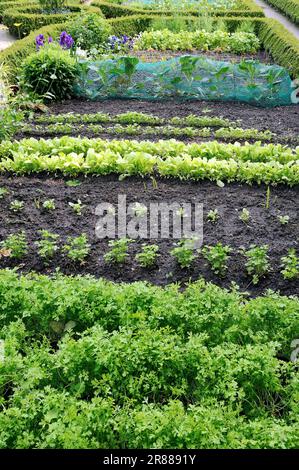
point(282, 122)
point(263, 227)
point(129, 318)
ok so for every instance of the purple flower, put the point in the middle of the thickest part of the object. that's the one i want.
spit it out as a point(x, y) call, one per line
point(119, 43)
point(50, 39)
point(66, 41)
point(39, 41)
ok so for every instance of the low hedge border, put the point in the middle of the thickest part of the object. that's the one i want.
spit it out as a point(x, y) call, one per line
point(289, 7)
point(281, 44)
point(31, 18)
point(114, 10)
point(7, 5)
point(134, 24)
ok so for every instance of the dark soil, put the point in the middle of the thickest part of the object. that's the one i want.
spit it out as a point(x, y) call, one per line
point(283, 121)
point(263, 228)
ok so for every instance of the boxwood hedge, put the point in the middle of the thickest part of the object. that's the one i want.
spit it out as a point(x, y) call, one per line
point(22, 20)
point(288, 7)
point(115, 10)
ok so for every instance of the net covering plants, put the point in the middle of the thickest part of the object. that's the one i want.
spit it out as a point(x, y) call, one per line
point(186, 78)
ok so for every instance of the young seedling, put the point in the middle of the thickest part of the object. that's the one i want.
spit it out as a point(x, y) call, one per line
point(3, 192)
point(15, 245)
point(49, 205)
point(284, 219)
point(16, 205)
point(290, 265)
point(217, 256)
point(213, 216)
point(257, 264)
point(118, 251)
point(147, 258)
point(77, 249)
point(245, 216)
point(47, 246)
point(37, 203)
point(184, 253)
point(139, 210)
point(73, 183)
point(77, 207)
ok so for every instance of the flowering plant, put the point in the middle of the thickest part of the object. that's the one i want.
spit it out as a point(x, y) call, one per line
point(122, 43)
point(65, 41)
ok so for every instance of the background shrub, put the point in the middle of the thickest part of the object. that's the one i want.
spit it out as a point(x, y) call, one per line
point(89, 31)
point(52, 5)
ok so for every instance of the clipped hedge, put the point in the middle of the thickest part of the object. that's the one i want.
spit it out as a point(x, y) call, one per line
point(282, 45)
point(31, 18)
point(114, 10)
point(7, 5)
point(288, 7)
point(134, 24)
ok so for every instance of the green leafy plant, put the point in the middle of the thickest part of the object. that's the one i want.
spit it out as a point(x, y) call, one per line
point(217, 256)
point(77, 207)
point(118, 252)
point(147, 258)
point(257, 264)
point(77, 249)
point(245, 216)
point(49, 205)
point(50, 73)
point(284, 219)
point(89, 31)
point(73, 183)
point(140, 210)
point(3, 192)
point(290, 265)
point(184, 253)
point(213, 216)
point(47, 245)
point(11, 121)
point(16, 205)
point(15, 245)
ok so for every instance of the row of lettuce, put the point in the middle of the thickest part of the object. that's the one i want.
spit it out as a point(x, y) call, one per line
point(250, 163)
point(86, 363)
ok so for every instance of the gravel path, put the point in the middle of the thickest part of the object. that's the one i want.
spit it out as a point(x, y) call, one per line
point(6, 39)
point(270, 12)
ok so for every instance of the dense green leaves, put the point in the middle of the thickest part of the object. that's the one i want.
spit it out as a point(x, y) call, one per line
point(50, 73)
point(270, 164)
point(239, 42)
point(93, 364)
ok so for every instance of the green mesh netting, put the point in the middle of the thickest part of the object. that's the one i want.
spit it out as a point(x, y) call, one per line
point(185, 78)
